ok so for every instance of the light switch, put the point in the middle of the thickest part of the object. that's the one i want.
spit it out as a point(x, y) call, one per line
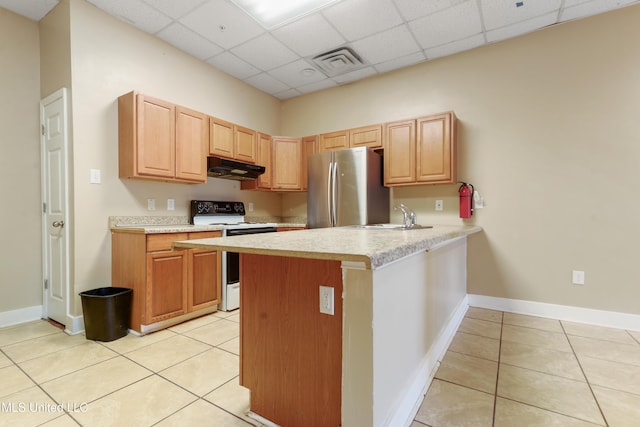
point(95, 176)
point(171, 204)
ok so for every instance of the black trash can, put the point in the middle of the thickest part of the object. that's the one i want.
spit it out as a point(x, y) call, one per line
point(106, 313)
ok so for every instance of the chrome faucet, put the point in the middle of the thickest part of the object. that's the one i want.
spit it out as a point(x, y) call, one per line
point(409, 217)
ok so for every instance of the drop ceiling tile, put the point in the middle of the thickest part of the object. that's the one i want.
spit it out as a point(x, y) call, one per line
point(174, 9)
point(293, 75)
point(266, 83)
point(34, 10)
point(521, 27)
point(222, 23)
point(500, 13)
point(355, 75)
point(401, 62)
point(414, 9)
point(290, 93)
point(231, 64)
point(456, 23)
point(314, 87)
point(310, 35)
point(388, 45)
point(136, 13)
point(264, 52)
point(575, 9)
point(188, 41)
point(356, 19)
point(455, 47)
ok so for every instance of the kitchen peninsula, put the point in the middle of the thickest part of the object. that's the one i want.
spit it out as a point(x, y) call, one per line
point(398, 297)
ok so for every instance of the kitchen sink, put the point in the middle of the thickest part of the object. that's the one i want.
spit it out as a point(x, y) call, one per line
point(393, 227)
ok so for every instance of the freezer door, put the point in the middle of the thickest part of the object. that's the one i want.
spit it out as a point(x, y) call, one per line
point(319, 190)
point(351, 180)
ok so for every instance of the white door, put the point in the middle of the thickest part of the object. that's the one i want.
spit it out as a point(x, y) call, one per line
point(55, 223)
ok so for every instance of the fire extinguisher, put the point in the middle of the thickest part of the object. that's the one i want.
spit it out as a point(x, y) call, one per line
point(466, 200)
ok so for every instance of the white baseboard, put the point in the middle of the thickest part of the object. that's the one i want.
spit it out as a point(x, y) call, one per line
point(611, 319)
point(21, 315)
point(75, 325)
point(410, 404)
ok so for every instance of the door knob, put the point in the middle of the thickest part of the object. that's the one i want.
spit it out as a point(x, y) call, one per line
point(58, 224)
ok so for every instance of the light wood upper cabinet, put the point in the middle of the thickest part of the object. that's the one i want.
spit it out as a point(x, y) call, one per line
point(150, 148)
point(263, 159)
point(232, 141)
point(421, 151)
point(245, 144)
point(192, 137)
point(221, 138)
point(333, 141)
point(309, 147)
point(399, 152)
point(436, 149)
point(286, 161)
point(368, 136)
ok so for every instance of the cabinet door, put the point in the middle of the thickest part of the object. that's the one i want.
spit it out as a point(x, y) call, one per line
point(245, 144)
point(333, 141)
point(155, 137)
point(435, 149)
point(369, 136)
point(166, 285)
point(204, 279)
point(286, 159)
point(309, 147)
point(264, 159)
point(400, 152)
point(192, 141)
point(221, 138)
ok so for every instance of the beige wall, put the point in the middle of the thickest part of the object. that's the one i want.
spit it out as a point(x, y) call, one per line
point(110, 58)
point(20, 259)
point(549, 134)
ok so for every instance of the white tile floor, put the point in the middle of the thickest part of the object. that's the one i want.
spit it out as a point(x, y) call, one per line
point(501, 369)
point(186, 375)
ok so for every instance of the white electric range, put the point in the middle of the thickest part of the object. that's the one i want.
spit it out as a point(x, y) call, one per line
point(231, 216)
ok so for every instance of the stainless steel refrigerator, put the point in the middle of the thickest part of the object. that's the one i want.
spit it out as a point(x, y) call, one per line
point(345, 188)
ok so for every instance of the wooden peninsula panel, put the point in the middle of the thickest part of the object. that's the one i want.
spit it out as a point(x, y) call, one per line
point(291, 354)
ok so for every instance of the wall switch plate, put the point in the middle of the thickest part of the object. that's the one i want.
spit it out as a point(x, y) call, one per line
point(250, 207)
point(95, 176)
point(578, 277)
point(171, 204)
point(439, 205)
point(151, 204)
point(326, 300)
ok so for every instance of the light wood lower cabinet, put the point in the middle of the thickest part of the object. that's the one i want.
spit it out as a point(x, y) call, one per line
point(166, 283)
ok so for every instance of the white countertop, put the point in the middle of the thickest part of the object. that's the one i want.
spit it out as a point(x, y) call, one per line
point(374, 248)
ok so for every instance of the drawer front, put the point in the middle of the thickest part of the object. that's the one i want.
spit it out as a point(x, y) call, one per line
point(204, 235)
point(163, 242)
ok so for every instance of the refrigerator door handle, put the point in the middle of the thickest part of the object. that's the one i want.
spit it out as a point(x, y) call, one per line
point(334, 190)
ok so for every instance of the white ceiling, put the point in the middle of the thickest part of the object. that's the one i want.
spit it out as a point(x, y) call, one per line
point(386, 34)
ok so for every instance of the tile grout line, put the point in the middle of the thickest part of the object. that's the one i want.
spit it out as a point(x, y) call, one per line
point(604, 418)
point(495, 395)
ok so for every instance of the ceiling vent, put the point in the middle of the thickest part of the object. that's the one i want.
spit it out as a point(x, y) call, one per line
point(338, 61)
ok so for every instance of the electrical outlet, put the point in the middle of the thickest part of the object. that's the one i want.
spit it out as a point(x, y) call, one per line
point(578, 277)
point(250, 207)
point(326, 300)
point(439, 205)
point(151, 204)
point(171, 204)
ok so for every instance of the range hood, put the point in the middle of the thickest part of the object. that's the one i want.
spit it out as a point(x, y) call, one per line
point(230, 169)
